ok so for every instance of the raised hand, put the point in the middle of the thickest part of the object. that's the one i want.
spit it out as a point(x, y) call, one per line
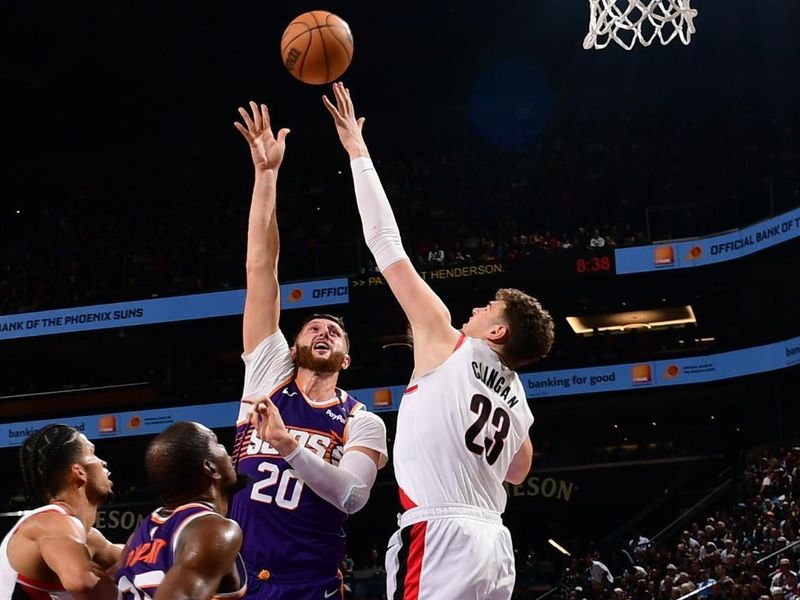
point(265, 150)
point(344, 117)
point(269, 425)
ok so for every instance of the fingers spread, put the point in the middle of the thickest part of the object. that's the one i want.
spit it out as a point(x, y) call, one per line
point(256, 115)
point(243, 131)
point(247, 120)
point(331, 108)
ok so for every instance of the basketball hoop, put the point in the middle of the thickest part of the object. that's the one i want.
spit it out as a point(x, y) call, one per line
point(628, 21)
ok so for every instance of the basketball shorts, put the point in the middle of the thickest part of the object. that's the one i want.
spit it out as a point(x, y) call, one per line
point(450, 551)
point(330, 588)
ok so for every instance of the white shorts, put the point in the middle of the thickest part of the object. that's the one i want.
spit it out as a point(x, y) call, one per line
point(450, 552)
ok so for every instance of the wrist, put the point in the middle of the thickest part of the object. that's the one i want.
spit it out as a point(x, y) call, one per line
point(285, 444)
point(357, 150)
point(266, 176)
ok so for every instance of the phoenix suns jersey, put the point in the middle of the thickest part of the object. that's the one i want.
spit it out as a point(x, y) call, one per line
point(150, 552)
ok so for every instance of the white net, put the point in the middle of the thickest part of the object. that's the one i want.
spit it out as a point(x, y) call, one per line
point(627, 22)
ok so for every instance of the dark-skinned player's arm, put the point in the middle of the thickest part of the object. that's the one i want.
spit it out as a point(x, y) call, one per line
point(206, 552)
point(262, 303)
point(434, 336)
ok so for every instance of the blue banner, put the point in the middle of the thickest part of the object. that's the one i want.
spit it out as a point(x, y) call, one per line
point(659, 373)
point(121, 424)
point(709, 250)
point(304, 294)
point(546, 384)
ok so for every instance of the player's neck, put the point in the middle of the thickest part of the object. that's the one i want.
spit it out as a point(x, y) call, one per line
point(79, 506)
point(316, 385)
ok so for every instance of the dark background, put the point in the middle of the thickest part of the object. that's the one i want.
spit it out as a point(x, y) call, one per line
point(119, 116)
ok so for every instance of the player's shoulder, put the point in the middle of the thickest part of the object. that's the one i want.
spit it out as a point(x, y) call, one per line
point(210, 527)
point(54, 522)
point(274, 343)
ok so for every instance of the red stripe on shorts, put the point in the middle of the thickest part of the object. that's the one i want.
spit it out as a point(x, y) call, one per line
point(416, 551)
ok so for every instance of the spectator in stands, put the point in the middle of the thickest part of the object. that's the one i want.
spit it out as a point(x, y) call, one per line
point(598, 574)
point(784, 570)
point(436, 256)
point(597, 241)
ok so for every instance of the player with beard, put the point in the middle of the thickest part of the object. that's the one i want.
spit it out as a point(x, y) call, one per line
point(319, 463)
point(53, 551)
point(187, 549)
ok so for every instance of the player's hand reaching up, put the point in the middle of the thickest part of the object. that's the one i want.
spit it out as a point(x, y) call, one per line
point(347, 126)
point(269, 425)
point(265, 150)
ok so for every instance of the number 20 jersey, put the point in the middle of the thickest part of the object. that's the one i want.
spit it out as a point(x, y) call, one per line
point(288, 530)
point(458, 429)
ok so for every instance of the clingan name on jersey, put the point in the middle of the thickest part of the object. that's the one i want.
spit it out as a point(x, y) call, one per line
point(494, 381)
point(323, 445)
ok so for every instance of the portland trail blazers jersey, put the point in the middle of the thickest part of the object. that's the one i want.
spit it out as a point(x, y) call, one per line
point(288, 530)
point(151, 552)
point(458, 428)
point(14, 586)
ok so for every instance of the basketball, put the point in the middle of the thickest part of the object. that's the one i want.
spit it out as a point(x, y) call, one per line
point(317, 47)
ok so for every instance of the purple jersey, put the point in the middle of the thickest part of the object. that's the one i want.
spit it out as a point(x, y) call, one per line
point(149, 553)
point(289, 532)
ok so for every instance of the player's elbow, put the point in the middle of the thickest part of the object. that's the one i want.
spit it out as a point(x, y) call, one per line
point(518, 471)
point(355, 499)
point(515, 478)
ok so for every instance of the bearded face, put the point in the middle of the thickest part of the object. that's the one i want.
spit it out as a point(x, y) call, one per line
point(331, 362)
point(321, 347)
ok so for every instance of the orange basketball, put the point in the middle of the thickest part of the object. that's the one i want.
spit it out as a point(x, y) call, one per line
point(317, 47)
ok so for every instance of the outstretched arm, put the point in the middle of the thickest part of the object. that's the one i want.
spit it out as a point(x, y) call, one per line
point(262, 303)
point(433, 334)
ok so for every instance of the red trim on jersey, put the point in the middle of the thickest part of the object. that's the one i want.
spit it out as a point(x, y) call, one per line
point(416, 551)
point(411, 389)
point(39, 585)
point(406, 502)
point(459, 342)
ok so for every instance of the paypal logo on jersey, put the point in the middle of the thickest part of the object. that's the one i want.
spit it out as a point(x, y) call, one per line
point(335, 417)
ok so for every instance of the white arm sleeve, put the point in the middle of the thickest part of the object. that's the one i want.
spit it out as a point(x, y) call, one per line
point(367, 430)
point(346, 486)
point(377, 219)
point(268, 365)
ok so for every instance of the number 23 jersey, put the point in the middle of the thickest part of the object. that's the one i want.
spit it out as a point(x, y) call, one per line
point(458, 429)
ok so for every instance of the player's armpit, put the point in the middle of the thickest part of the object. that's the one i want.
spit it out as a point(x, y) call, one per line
point(206, 553)
point(521, 463)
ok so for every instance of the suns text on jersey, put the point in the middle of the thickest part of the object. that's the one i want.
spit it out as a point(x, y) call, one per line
point(325, 446)
point(494, 381)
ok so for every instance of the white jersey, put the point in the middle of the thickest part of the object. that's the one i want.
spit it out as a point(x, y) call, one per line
point(458, 429)
point(14, 585)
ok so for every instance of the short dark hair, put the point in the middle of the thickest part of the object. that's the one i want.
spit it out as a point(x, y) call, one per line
point(338, 320)
point(530, 328)
point(45, 458)
point(174, 460)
